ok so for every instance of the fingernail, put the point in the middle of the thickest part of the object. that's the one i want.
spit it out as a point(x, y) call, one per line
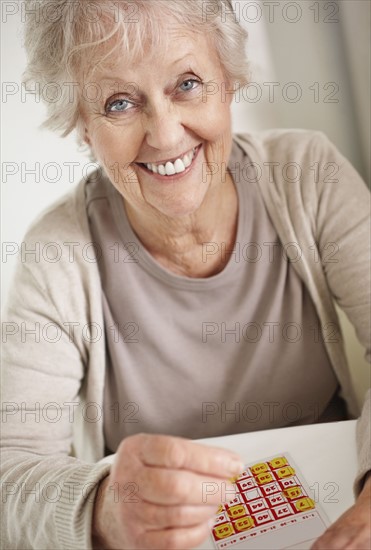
point(233, 479)
point(236, 467)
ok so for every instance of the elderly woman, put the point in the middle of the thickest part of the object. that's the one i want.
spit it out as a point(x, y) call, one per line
point(217, 259)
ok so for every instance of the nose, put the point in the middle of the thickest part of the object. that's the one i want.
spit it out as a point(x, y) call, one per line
point(163, 127)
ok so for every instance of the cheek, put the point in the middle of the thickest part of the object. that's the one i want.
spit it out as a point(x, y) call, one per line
point(217, 132)
point(116, 144)
point(115, 149)
point(214, 120)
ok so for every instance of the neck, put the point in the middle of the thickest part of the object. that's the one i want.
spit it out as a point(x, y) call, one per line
point(178, 244)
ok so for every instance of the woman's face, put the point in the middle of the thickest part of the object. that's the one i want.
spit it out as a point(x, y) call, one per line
point(158, 120)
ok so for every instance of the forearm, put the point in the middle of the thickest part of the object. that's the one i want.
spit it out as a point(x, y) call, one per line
point(47, 501)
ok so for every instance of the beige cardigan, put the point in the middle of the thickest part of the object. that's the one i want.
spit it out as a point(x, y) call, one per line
point(53, 380)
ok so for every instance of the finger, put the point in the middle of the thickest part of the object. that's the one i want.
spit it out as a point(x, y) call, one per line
point(179, 453)
point(160, 486)
point(176, 539)
point(157, 517)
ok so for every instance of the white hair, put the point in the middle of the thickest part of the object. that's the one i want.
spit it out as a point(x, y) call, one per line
point(64, 39)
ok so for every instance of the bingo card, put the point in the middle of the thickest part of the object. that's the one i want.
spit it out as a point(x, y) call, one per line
point(273, 509)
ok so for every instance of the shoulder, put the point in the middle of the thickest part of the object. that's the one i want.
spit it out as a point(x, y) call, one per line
point(296, 166)
point(64, 220)
point(57, 256)
point(284, 144)
point(293, 168)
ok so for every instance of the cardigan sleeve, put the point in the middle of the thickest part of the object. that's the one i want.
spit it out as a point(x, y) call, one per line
point(343, 239)
point(47, 495)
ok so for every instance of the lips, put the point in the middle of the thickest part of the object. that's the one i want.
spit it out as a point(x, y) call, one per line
point(172, 167)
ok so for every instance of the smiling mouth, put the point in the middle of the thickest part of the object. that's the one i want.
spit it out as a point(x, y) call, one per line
point(172, 167)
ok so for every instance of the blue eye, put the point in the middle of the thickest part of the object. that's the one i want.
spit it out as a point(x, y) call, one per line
point(119, 106)
point(188, 85)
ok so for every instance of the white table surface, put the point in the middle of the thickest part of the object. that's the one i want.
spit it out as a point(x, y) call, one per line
point(324, 453)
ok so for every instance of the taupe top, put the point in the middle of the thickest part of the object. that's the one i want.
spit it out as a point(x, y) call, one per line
point(203, 357)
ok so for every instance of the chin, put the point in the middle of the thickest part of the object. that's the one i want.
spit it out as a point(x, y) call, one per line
point(179, 208)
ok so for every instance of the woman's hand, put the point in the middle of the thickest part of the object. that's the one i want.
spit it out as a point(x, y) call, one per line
point(352, 531)
point(161, 492)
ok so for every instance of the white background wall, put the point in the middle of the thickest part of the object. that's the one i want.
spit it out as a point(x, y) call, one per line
point(306, 47)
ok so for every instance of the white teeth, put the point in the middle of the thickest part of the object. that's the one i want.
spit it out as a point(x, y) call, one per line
point(179, 166)
point(188, 159)
point(171, 168)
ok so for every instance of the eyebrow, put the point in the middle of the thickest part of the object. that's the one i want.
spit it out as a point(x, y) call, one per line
point(119, 79)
